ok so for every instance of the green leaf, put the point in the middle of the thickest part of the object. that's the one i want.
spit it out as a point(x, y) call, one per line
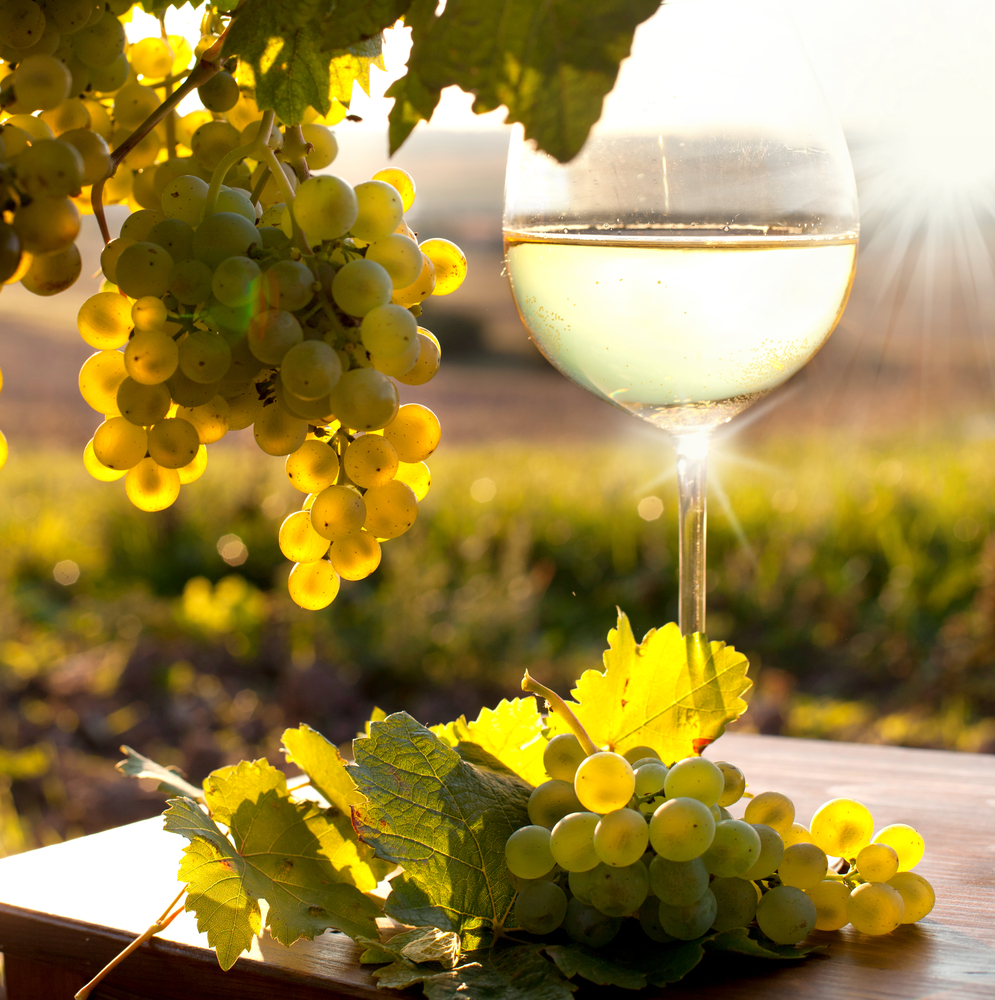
point(551, 62)
point(444, 821)
point(321, 761)
point(354, 20)
point(135, 765)
point(510, 733)
point(576, 960)
point(739, 940)
point(422, 944)
point(673, 694)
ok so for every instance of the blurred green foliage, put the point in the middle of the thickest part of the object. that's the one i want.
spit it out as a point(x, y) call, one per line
point(860, 582)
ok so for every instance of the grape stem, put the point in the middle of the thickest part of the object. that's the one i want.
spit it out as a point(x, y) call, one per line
point(558, 705)
point(161, 924)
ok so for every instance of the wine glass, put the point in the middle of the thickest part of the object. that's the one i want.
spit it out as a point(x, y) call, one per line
point(701, 247)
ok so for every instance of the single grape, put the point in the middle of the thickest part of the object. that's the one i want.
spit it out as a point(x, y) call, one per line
point(562, 756)
point(604, 782)
point(204, 356)
point(391, 509)
point(99, 380)
point(47, 225)
point(830, 900)
point(93, 150)
point(288, 284)
point(786, 915)
point(212, 142)
point(420, 289)
point(540, 907)
point(875, 908)
point(419, 478)
point(803, 866)
point(314, 411)
point(176, 237)
point(277, 432)
point(52, 273)
point(133, 103)
point(572, 843)
point(356, 556)
point(371, 460)
point(110, 254)
point(299, 542)
point(313, 467)
point(588, 926)
point(678, 883)
point(694, 778)
point(400, 257)
point(94, 466)
point(621, 837)
point(326, 147)
point(220, 93)
point(364, 399)
point(798, 834)
point(151, 357)
point(22, 23)
point(527, 852)
point(734, 783)
point(222, 235)
point(237, 201)
point(313, 586)
point(50, 168)
point(190, 281)
point(389, 331)
point(449, 263)
point(245, 406)
point(104, 320)
point(841, 827)
point(650, 778)
point(401, 181)
point(149, 313)
point(186, 392)
point(119, 444)
point(210, 419)
point(235, 281)
point(325, 208)
point(71, 116)
point(689, 922)
point(184, 198)
point(917, 895)
point(101, 43)
point(617, 892)
point(772, 809)
point(310, 370)
point(906, 842)
point(771, 852)
point(736, 903)
point(339, 511)
point(735, 848)
point(682, 829)
point(142, 404)
point(152, 57)
point(271, 334)
point(415, 433)
point(580, 881)
point(173, 443)
point(877, 863)
point(150, 487)
point(380, 210)
point(649, 921)
point(361, 286)
point(41, 82)
point(105, 79)
point(143, 269)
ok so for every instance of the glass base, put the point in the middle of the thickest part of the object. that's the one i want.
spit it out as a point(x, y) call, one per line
point(682, 418)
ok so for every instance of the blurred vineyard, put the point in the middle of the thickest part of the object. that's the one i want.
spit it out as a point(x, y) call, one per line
point(861, 583)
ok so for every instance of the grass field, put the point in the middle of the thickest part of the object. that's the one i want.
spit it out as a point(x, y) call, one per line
point(861, 584)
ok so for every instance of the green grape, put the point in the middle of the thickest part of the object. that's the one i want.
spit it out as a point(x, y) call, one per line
point(50, 168)
point(540, 907)
point(133, 103)
point(289, 284)
point(526, 851)
point(589, 926)
point(636, 755)
point(391, 509)
point(877, 863)
point(186, 392)
point(99, 379)
point(326, 147)
point(803, 866)
point(299, 542)
point(104, 320)
point(71, 15)
point(418, 477)
point(143, 269)
point(380, 211)
point(841, 827)
point(875, 908)
point(372, 461)
point(152, 57)
point(735, 848)
point(621, 837)
point(580, 881)
point(204, 356)
point(906, 842)
point(917, 895)
point(798, 834)
point(35, 127)
point(223, 235)
point(101, 43)
point(562, 755)
point(52, 273)
point(273, 238)
point(617, 892)
point(68, 117)
point(736, 903)
point(325, 208)
point(210, 419)
point(314, 411)
point(402, 182)
point(119, 444)
point(190, 281)
point(650, 778)
point(772, 809)
point(313, 586)
point(420, 289)
point(786, 914)
point(184, 198)
point(40, 82)
point(572, 843)
point(604, 782)
point(830, 899)
point(173, 442)
point(138, 225)
point(694, 778)
point(388, 331)
point(356, 556)
point(399, 256)
point(689, 922)
point(220, 93)
point(176, 166)
point(109, 256)
point(104, 79)
point(234, 200)
point(364, 400)
point(338, 511)
point(149, 313)
point(771, 852)
point(212, 142)
point(272, 334)
point(678, 883)
point(142, 404)
point(415, 433)
point(92, 465)
point(551, 801)
point(682, 829)
point(150, 487)
point(22, 23)
point(235, 281)
point(649, 921)
point(310, 369)
point(244, 366)
point(151, 357)
point(449, 263)
point(399, 365)
point(361, 286)
point(734, 783)
point(47, 225)
point(176, 237)
point(244, 406)
point(313, 467)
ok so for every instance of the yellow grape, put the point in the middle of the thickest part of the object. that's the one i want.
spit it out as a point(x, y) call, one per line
point(4, 450)
point(356, 556)
point(875, 908)
point(104, 320)
point(772, 809)
point(420, 289)
point(449, 263)
point(313, 585)
point(277, 432)
point(151, 356)
point(173, 443)
point(399, 365)
point(390, 509)
point(830, 900)
point(110, 254)
point(417, 476)
point(193, 471)
point(798, 834)
point(119, 444)
point(916, 893)
point(151, 487)
point(415, 433)
point(299, 542)
point(148, 312)
point(97, 469)
point(877, 863)
point(312, 467)
point(401, 181)
point(152, 57)
point(52, 273)
point(142, 404)
point(337, 511)
point(841, 827)
point(905, 841)
point(210, 419)
point(99, 379)
point(427, 365)
point(604, 782)
point(47, 225)
point(370, 461)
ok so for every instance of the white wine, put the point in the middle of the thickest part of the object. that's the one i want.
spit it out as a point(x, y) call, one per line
point(682, 330)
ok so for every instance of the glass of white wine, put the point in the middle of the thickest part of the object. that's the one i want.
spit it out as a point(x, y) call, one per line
point(701, 247)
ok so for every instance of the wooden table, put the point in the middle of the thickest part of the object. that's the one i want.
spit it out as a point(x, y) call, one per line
point(66, 910)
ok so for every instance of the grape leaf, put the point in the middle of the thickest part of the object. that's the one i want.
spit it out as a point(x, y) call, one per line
point(135, 765)
point(303, 860)
point(321, 761)
point(422, 944)
point(444, 821)
point(738, 940)
point(673, 694)
point(511, 733)
point(576, 960)
point(551, 62)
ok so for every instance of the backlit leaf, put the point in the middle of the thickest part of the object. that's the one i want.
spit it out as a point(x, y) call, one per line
point(321, 761)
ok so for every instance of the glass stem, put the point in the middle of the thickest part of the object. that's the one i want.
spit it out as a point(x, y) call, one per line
point(692, 464)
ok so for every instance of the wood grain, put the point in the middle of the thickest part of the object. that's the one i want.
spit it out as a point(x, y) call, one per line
point(65, 910)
